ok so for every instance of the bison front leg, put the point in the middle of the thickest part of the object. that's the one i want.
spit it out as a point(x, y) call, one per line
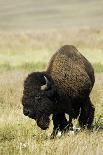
point(60, 124)
point(87, 114)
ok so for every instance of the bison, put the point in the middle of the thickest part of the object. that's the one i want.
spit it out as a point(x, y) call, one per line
point(64, 88)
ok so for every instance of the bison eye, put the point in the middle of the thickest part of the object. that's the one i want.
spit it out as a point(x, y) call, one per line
point(37, 97)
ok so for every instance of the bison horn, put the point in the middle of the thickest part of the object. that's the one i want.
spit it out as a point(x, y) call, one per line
point(44, 87)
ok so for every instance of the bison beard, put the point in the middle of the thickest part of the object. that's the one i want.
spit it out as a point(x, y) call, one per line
point(64, 88)
point(43, 122)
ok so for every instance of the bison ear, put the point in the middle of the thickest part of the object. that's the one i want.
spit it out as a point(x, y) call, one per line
point(46, 85)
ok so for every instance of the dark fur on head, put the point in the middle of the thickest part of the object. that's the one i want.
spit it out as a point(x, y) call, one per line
point(37, 103)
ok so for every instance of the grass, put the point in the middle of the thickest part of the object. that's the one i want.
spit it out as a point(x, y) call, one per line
point(98, 67)
point(31, 50)
point(30, 67)
point(25, 52)
point(30, 32)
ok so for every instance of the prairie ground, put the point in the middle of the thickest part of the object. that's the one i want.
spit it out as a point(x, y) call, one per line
point(22, 53)
point(30, 32)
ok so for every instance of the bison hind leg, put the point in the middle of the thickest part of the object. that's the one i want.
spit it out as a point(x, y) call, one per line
point(87, 114)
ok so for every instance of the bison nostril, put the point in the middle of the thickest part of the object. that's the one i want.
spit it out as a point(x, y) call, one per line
point(37, 98)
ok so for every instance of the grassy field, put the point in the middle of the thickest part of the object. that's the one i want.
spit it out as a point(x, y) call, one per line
point(30, 32)
point(22, 53)
point(31, 50)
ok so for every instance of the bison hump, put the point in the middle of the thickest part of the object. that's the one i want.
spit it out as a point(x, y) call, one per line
point(69, 76)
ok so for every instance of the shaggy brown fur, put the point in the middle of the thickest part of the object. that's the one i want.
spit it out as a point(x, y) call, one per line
point(71, 72)
point(70, 80)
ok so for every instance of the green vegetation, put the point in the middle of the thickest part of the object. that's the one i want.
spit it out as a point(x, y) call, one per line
point(30, 32)
point(32, 51)
point(26, 66)
point(30, 67)
point(98, 67)
point(27, 52)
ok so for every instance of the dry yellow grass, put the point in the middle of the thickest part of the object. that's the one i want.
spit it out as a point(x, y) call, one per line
point(20, 135)
point(36, 47)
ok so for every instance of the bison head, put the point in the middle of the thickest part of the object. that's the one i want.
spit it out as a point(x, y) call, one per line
point(37, 98)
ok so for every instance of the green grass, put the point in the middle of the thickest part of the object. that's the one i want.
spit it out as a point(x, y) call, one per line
point(98, 67)
point(30, 67)
point(32, 51)
point(30, 32)
point(25, 52)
